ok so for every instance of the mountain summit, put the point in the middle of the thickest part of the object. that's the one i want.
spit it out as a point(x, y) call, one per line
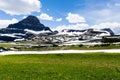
point(31, 22)
point(23, 29)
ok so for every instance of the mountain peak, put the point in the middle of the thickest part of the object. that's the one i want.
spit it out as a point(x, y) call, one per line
point(31, 16)
point(30, 22)
point(31, 19)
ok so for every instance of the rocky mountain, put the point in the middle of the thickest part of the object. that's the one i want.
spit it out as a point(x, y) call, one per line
point(31, 23)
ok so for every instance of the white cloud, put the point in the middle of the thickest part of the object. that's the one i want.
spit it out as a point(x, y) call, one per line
point(45, 16)
point(20, 7)
point(5, 23)
point(99, 16)
point(112, 25)
point(59, 19)
point(76, 27)
point(75, 18)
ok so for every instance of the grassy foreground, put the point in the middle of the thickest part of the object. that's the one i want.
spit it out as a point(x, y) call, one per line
point(97, 66)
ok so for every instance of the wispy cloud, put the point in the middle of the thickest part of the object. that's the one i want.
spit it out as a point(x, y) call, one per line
point(107, 11)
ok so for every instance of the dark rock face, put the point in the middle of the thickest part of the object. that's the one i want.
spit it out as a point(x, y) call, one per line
point(7, 38)
point(31, 22)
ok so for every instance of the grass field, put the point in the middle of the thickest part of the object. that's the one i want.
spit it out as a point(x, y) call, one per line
point(97, 66)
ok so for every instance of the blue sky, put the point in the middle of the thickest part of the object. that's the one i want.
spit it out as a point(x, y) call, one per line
point(64, 14)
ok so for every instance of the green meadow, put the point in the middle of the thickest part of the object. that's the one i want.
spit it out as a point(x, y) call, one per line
point(89, 66)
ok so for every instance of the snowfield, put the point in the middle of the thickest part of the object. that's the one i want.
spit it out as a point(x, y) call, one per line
point(60, 51)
